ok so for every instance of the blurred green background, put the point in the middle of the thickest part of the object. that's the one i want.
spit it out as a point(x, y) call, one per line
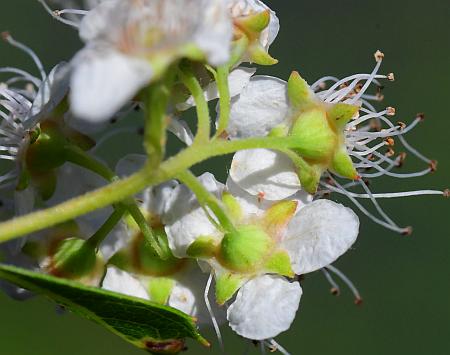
point(405, 281)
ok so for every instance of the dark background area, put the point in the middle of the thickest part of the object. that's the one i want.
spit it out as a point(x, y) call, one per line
point(404, 280)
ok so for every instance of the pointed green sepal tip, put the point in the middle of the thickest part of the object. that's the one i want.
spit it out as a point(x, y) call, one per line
point(259, 55)
point(74, 258)
point(160, 288)
point(256, 22)
point(203, 247)
point(24, 180)
point(315, 138)
point(310, 178)
point(340, 114)
point(299, 93)
point(278, 216)
point(279, 131)
point(226, 286)
point(233, 207)
point(280, 263)
point(45, 184)
point(342, 165)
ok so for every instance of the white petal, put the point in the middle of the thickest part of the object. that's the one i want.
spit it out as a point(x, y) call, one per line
point(251, 206)
point(237, 81)
point(188, 296)
point(185, 220)
point(216, 31)
point(261, 106)
point(319, 234)
point(264, 307)
point(116, 240)
point(130, 164)
point(103, 80)
point(181, 130)
point(97, 22)
point(122, 282)
point(265, 173)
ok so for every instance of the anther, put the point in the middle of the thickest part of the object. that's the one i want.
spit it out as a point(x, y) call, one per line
point(402, 125)
point(6, 36)
point(401, 159)
point(390, 111)
point(379, 56)
point(421, 116)
point(390, 77)
point(390, 153)
point(335, 291)
point(433, 166)
point(407, 231)
point(379, 96)
point(446, 193)
point(358, 301)
point(390, 141)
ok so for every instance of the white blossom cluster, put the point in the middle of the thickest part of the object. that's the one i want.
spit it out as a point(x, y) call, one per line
point(251, 237)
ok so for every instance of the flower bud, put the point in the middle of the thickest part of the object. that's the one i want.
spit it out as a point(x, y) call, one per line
point(74, 258)
point(245, 249)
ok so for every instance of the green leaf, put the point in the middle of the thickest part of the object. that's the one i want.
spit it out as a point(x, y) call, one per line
point(147, 325)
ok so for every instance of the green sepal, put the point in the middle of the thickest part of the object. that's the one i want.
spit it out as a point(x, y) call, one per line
point(156, 328)
point(45, 183)
point(342, 164)
point(79, 139)
point(254, 23)
point(23, 180)
point(280, 263)
point(316, 139)
point(203, 247)
point(278, 216)
point(74, 258)
point(300, 95)
point(340, 114)
point(160, 288)
point(227, 285)
point(259, 55)
point(309, 176)
point(233, 207)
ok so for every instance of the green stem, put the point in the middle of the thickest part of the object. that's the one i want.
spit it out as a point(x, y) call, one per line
point(207, 199)
point(204, 123)
point(81, 158)
point(224, 98)
point(120, 190)
point(97, 238)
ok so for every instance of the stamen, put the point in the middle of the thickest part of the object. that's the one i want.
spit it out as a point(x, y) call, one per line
point(274, 347)
point(37, 82)
point(379, 58)
point(56, 16)
point(211, 313)
point(262, 348)
point(8, 38)
point(348, 282)
point(335, 290)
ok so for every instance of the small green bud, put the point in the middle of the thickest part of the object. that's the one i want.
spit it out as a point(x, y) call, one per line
point(202, 247)
point(245, 249)
point(280, 263)
point(316, 139)
point(226, 286)
point(73, 259)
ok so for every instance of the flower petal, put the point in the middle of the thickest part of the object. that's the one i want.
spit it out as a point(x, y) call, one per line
point(261, 106)
point(319, 234)
point(265, 173)
point(185, 220)
point(264, 307)
point(103, 80)
point(122, 282)
point(181, 130)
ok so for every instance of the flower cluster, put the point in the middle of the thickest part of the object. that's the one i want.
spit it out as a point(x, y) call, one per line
point(149, 227)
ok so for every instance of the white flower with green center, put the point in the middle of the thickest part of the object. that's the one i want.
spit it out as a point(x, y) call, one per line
point(138, 271)
point(269, 242)
point(131, 43)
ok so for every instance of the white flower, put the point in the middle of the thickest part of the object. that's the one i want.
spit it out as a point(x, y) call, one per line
point(129, 44)
point(282, 238)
